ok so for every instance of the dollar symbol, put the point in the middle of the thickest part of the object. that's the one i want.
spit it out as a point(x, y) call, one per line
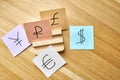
point(82, 38)
point(47, 62)
point(53, 23)
point(36, 31)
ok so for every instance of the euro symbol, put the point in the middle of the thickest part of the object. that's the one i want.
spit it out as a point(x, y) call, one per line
point(82, 38)
point(16, 40)
point(47, 62)
point(38, 31)
point(54, 18)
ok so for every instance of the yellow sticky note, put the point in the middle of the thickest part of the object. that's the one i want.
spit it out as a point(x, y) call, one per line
point(57, 17)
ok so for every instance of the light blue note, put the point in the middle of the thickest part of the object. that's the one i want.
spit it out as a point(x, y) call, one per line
point(81, 37)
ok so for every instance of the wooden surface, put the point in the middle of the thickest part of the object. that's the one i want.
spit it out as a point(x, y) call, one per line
point(102, 63)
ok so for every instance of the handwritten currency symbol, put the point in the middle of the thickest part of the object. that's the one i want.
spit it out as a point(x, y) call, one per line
point(37, 32)
point(16, 40)
point(54, 18)
point(82, 38)
point(48, 63)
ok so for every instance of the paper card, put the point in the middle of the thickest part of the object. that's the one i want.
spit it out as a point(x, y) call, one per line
point(57, 17)
point(16, 40)
point(81, 37)
point(37, 31)
point(49, 61)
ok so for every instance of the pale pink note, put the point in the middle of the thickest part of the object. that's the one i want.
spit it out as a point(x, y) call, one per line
point(16, 40)
point(38, 30)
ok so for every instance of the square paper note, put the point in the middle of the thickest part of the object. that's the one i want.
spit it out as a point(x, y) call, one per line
point(16, 40)
point(49, 61)
point(57, 17)
point(39, 30)
point(81, 37)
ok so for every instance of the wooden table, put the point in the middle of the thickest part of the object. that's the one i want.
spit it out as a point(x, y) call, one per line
point(102, 63)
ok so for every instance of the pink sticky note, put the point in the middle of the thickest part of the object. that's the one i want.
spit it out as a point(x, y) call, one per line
point(16, 40)
point(38, 30)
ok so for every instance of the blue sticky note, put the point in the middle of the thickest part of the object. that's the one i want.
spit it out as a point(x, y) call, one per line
point(81, 37)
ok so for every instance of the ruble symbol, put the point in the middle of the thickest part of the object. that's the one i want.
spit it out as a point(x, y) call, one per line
point(82, 38)
point(54, 18)
point(48, 64)
point(38, 30)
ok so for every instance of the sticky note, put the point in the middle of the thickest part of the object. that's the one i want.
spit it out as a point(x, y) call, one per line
point(49, 61)
point(57, 17)
point(16, 40)
point(38, 30)
point(81, 37)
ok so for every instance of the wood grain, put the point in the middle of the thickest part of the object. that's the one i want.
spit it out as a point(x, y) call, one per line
point(102, 63)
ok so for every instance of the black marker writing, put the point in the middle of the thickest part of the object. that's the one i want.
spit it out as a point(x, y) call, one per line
point(47, 62)
point(38, 31)
point(54, 18)
point(16, 40)
point(82, 38)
